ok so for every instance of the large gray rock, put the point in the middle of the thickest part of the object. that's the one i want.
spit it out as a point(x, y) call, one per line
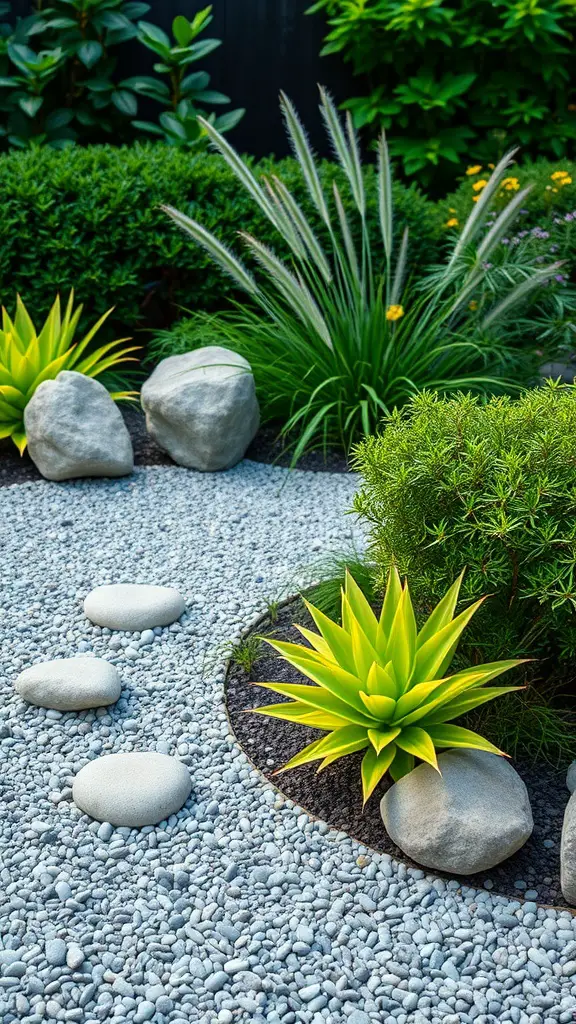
point(70, 684)
point(133, 606)
point(75, 429)
point(132, 790)
point(470, 818)
point(201, 407)
point(568, 853)
point(571, 777)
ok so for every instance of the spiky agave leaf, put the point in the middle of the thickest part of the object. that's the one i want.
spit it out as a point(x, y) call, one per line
point(378, 684)
point(28, 358)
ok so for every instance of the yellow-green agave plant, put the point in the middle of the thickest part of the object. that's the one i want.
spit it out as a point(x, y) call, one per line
point(379, 685)
point(27, 359)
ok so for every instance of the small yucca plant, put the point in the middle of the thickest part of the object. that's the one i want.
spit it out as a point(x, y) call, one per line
point(379, 685)
point(27, 359)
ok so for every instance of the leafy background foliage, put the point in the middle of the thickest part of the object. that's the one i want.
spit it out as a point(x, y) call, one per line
point(89, 218)
point(458, 78)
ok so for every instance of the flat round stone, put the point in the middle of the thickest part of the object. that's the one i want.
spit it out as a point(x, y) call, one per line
point(133, 606)
point(70, 684)
point(132, 790)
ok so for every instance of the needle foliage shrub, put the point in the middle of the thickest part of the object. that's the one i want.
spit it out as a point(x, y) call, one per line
point(454, 484)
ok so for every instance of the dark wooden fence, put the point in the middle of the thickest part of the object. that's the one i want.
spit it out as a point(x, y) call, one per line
point(267, 45)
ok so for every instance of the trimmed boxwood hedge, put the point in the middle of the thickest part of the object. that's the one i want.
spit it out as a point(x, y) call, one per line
point(89, 219)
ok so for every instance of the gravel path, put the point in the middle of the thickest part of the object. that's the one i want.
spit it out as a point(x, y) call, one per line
point(239, 908)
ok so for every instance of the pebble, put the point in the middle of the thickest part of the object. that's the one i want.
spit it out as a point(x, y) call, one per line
point(133, 606)
point(134, 789)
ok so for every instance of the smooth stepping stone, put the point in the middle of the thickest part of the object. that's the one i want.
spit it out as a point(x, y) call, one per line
point(133, 606)
point(132, 790)
point(70, 684)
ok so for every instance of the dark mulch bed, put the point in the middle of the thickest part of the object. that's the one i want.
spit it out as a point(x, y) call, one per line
point(16, 469)
point(335, 795)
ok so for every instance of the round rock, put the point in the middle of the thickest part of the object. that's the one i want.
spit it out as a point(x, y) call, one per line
point(70, 684)
point(470, 818)
point(132, 790)
point(133, 606)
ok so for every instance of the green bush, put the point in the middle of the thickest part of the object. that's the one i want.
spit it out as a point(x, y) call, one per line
point(459, 78)
point(491, 488)
point(90, 219)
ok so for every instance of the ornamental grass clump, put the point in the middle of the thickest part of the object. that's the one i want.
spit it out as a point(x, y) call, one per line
point(380, 686)
point(453, 484)
point(340, 333)
point(27, 359)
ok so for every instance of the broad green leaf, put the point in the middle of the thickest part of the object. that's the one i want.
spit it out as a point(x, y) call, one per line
point(402, 764)
point(456, 736)
point(380, 707)
point(458, 684)
point(380, 738)
point(380, 680)
point(402, 640)
point(20, 440)
point(325, 673)
point(317, 697)
point(467, 702)
point(431, 656)
point(338, 640)
point(344, 741)
point(418, 742)
point(361, 609)
point(317, 642)
point(389, 607)
point(302, 714)
point(442, 614)
point(414, 698)
point(374, 767)
point(305, 756)
point(364, 653)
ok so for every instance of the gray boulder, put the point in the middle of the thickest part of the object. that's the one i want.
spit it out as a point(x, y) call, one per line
point(75, 429)
point(470, 818)
point(571, 777)
point(133, 606)
point(201, 408)
point(568, 853)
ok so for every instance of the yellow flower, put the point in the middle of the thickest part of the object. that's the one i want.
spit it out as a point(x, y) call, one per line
point(451, 223)
point(473, 305)
point(491, 166)
point(565, 181)
point(558, 175)
point(475, 199)
point(451, 209)
point(511, 184)
point(479, 184)
point(474, 170)
point(394, 312)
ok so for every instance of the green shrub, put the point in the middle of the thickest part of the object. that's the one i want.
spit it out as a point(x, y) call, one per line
point(453, 484)
point(459, 78)
point(90, 219)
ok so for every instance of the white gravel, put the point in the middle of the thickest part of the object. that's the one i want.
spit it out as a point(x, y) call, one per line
point(239, 908)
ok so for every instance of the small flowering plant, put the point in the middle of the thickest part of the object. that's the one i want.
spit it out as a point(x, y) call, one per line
point(341, 333)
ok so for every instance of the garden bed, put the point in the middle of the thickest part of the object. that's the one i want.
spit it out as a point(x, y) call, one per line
point(335, 795)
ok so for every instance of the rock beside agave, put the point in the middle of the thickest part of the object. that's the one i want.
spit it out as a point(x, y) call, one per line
point(74, 429)
point(471, 817)
point(201, 408)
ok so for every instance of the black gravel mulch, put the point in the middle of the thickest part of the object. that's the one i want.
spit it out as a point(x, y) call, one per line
point(335, 795)
point(16, 469)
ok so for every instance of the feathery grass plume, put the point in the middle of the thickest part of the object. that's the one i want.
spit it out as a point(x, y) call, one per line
point(340, 333)
point(381, 686)
point(219, 252)
point(304, 155)
point(474, 222)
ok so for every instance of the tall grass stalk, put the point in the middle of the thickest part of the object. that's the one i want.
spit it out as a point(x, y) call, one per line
point(340, 334)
